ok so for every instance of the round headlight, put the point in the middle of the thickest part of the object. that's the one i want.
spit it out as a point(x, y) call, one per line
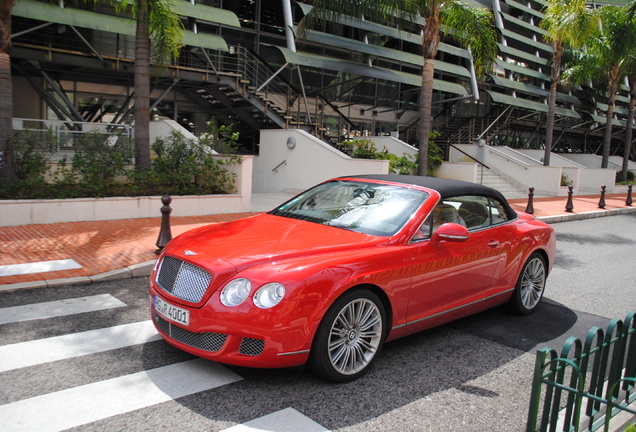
point(236, 292)
point(269, 295)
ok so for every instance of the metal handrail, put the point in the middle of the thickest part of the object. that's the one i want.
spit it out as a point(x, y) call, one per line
point(509, 108)
point(508, 158)
point(469, 156)
point(279, 165)
point(294, 89)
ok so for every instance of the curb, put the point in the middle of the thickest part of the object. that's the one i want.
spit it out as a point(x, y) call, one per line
point(143, 269)
point(587, 215)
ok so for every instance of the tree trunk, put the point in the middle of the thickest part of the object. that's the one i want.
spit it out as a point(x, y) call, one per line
point(142, 87)
point(430, 42)
point(627, 146)
point(607, 142)
point(549, 127)
point(7, 172)
point(426, 98)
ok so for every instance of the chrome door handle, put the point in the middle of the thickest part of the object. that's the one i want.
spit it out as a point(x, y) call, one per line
point(493, 243)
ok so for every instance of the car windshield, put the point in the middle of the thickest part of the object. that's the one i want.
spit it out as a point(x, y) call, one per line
point(369, 208)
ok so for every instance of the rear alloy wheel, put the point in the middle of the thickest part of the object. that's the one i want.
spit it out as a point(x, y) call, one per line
point(349, 337)
point(530, 286)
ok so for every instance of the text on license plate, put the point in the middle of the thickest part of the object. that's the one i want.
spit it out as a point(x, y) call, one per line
point(171, 312)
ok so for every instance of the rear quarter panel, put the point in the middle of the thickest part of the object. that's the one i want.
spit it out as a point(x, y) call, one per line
point(531, 235)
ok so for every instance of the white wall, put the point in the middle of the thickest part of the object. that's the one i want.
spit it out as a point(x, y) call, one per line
point(465, 171)
point(526, 168)
point(279, 168)
point(618, 160)
point(520, 168)
point(584, 179)
point(165, 128)
point(393, 145)
point(590, 160)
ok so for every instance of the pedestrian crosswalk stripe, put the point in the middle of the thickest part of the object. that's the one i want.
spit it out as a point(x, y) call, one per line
point(92, 402)
point(39, 267)
point(58, 308)
point(287, 420)
point(40, 351)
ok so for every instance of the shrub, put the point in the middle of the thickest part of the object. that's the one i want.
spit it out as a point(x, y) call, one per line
point(435, 154)
point(32, 152)
point(102, 166)
point(628, 180)
point(565, 180)
point(406, 164)
point(99, 165)
point(364, 149)
point(186, 167)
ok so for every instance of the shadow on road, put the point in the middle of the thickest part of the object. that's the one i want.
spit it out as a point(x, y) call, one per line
point(407, 370)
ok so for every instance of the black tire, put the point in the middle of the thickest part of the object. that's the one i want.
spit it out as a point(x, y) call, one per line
point(349, 337)
point(530, 286)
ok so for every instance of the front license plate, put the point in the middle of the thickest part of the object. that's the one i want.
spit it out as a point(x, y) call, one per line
point(172, 312)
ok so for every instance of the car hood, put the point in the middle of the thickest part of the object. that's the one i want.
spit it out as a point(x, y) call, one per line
point(264, 238)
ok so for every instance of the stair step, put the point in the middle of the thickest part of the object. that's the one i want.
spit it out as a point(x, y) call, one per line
point(495, 181)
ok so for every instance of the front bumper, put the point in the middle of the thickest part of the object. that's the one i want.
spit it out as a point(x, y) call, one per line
point(244, 335)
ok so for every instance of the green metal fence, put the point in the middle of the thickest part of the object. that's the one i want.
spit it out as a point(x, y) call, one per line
point(589, 383)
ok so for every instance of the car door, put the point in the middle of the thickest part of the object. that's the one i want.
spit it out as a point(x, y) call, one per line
point(449, 275)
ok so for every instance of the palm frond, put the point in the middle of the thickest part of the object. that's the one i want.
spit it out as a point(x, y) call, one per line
point(388, 12)
point(166, 30)
point(473, 28)
point(569, 22)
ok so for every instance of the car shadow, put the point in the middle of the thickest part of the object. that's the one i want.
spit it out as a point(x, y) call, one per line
point(409, 369)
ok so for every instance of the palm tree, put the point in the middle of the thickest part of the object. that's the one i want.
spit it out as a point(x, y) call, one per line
point(470, 26)
point(606, 61)
point(569, 23)
point(7, 173)
point(627, 146)
point(631, 77)
point(156, 19)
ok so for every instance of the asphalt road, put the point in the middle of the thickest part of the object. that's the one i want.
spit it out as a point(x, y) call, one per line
point(101, 368)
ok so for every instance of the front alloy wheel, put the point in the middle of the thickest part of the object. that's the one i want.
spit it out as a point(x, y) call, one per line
point(531, 284)
point(349, 337)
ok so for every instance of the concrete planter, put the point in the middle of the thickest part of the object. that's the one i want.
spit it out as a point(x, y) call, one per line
point(26, 212)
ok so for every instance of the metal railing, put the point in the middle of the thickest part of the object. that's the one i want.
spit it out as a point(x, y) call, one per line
point(481, 164)
point(589, 383)
point(64, 132)
point(254, 77)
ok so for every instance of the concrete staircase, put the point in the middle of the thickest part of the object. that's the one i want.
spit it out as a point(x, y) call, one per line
point(493, 179)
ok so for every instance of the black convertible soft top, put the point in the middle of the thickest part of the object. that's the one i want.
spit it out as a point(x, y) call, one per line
point(447, 188)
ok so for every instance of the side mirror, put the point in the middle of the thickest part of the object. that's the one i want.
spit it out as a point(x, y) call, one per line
point(451, 232)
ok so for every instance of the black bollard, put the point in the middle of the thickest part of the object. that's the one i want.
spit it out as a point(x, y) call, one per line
point(164, 235)
point(570, 205)
point(628, 201)
point(601, 202)
point(530, 206)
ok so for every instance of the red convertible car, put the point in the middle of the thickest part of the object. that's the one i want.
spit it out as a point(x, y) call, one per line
point(329, 276)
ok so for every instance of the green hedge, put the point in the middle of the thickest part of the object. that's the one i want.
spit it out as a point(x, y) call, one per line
point(101, 166)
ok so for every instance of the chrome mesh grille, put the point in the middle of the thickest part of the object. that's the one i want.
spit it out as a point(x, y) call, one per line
point(251, 347)
point(206, 341)
point(183, 280)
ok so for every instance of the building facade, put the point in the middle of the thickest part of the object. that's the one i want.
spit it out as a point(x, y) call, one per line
point(245, 63)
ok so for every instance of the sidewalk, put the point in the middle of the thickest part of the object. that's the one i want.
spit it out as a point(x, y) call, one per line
point(33, 256)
